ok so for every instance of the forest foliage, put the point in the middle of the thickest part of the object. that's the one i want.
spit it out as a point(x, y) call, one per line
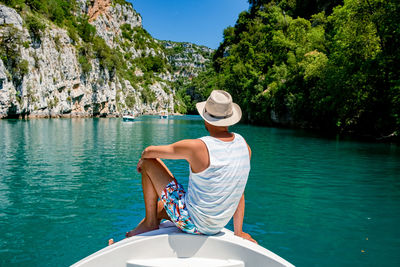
point(331, 67)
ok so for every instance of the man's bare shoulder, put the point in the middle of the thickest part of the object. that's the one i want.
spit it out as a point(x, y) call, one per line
point(192, 143)
point(199, 159)
point(197, 146)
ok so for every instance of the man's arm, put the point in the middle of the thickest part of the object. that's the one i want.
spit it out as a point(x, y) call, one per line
point(238, 221)
point(192, 150)
point(179, 150)
point(238, 216)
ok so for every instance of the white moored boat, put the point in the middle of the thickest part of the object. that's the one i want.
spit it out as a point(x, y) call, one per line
point(128, 118)
point(170, 247)
point(164, 114)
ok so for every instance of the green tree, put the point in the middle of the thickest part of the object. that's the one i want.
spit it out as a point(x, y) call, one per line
point(332, 70)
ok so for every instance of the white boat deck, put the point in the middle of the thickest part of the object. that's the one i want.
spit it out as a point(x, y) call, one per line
point(169, 246)
point(192, 262)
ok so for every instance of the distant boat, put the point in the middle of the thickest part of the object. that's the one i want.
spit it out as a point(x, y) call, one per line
point(128, 117)
point(169, 246)
point(164, 114)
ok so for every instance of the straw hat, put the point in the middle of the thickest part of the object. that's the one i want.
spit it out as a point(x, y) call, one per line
point(219, 110)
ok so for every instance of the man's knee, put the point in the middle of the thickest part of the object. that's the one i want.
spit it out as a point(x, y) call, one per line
point(148, 163)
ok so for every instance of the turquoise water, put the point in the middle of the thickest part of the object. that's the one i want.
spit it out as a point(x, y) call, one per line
point(68, 185)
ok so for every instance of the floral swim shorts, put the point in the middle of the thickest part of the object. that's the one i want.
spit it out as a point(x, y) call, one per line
point(173, 197)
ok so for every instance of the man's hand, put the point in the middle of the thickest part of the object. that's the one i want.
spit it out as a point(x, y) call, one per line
point(246, 236)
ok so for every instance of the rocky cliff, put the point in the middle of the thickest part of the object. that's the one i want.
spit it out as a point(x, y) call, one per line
point(187, 59)
point(97, 62)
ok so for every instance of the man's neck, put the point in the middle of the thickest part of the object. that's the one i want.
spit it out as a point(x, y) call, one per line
point(223, 135)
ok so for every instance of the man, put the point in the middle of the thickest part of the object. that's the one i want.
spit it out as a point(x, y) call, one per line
point(219, 168)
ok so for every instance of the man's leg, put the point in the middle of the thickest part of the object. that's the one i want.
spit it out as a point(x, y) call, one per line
point(155, 177)
point(158, 173)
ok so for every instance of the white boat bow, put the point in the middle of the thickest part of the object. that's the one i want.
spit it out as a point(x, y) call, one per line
point(128, 118)
point(164, 114)
point(169, 246)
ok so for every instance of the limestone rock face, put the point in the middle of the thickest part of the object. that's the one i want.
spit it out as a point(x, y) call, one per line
point(51, 82)
point(187, 59)
point(108, 19)
point(9, 16)
point(2, 72)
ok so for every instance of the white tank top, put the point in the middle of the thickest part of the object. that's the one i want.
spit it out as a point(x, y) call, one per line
point(214, 194)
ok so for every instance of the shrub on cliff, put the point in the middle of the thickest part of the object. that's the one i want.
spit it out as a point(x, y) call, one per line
point(155, 64)
point(17, 4)
point(109, 58)
point(10, 54)
point(85, 30)
point(127, 32)
point(85, 64)
point(58, 11)
point(148, 96)
point(35, 27)
point(121, 2)
point(130, 100)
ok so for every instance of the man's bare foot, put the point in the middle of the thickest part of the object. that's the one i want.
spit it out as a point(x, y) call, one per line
point(143, 227)
point(110, 241)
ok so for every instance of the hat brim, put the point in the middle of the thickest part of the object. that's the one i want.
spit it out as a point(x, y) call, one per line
point(231, 120)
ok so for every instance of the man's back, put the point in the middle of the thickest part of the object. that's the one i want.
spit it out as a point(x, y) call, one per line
point(214, 193)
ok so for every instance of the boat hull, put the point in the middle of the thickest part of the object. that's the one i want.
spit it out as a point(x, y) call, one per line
point(168, 246)
point(128, 118)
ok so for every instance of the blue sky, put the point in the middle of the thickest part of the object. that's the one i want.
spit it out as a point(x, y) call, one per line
point(197, 21)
